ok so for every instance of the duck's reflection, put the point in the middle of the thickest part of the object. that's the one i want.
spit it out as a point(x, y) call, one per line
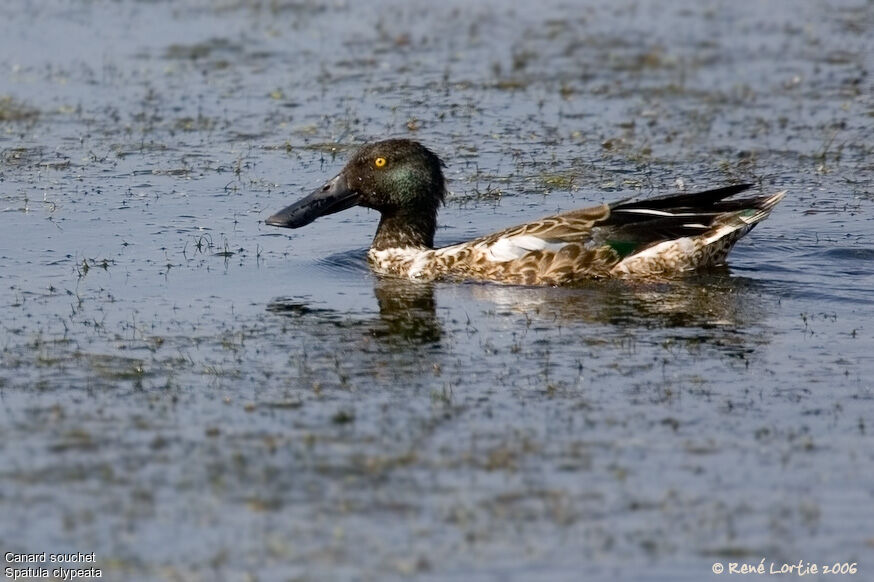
point(712, 299)
point(408, 313)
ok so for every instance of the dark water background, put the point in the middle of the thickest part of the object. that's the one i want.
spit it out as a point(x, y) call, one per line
point(194, 396)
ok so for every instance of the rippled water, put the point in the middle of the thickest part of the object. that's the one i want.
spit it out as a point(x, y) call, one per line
point(193, 395)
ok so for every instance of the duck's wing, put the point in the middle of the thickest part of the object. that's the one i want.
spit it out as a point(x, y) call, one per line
point(551, 232)
point(657, 236)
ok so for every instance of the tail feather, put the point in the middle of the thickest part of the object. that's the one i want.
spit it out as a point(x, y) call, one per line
point(740, 222)
point(764, 205)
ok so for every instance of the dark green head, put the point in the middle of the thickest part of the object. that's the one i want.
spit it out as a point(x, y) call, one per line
point(400, 178)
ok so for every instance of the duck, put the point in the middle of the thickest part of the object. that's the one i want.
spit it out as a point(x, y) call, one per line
point(658, 237)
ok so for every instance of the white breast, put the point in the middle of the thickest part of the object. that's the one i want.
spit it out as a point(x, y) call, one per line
point(405, 261)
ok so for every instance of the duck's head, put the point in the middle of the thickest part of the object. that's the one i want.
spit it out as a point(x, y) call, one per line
point(400, 178)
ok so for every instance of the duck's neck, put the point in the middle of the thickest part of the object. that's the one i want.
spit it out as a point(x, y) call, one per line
point(405, 229)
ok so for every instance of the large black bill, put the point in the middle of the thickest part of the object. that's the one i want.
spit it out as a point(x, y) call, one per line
point(333, 197)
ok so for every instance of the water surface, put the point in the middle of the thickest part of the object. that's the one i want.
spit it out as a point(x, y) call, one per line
point(193, 395)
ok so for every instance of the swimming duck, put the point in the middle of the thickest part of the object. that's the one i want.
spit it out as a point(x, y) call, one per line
point(658, 237)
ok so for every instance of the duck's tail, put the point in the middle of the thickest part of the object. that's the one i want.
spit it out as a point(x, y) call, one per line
point(687, 231)
point(742, 221)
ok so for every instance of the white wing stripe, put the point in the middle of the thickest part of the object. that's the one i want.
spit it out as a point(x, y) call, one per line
point(659, 212)
point(515, 247)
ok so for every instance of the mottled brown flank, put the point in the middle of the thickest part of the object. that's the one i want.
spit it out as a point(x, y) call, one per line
point(571, 263)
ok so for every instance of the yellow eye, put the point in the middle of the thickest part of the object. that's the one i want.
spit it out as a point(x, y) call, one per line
point(379, 162)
